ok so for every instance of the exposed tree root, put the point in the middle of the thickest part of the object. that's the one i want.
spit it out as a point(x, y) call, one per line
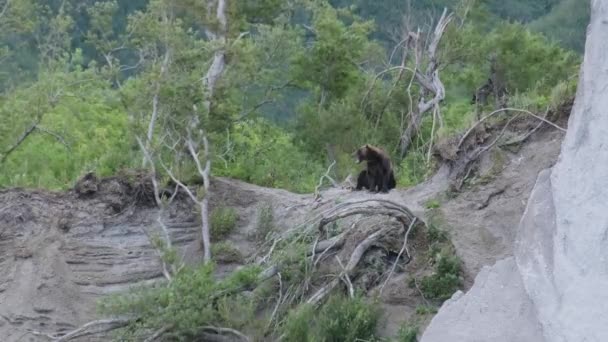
point(350, 266)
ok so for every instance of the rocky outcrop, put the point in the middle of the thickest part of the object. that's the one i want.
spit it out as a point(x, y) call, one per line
point(561, 251)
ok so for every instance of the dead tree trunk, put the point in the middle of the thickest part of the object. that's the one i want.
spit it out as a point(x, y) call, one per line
point(432, 91)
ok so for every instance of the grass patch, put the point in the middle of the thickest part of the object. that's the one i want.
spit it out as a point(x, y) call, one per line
point(432, 204)
point(223, 222)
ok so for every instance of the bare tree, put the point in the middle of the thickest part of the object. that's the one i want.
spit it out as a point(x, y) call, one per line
point(163, 70)
point(419, 58)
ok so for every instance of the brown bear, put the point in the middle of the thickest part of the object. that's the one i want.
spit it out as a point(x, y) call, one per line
point(378, 176)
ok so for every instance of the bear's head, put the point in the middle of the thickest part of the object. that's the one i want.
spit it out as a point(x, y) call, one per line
point(362, 154)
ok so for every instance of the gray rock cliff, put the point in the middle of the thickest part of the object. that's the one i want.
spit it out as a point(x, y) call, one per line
point(555, 288)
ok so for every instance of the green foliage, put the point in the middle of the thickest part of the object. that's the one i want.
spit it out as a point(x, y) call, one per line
point(81, 129)
point(436, 234)
point(432, 204)
point(223, 221)
point(408, 333)
point(328, 65)
point(225, 252)
point(261, 153)
point(192, 300)
point(413, 169)
point(566, 24)
point(293, 261)
point(340, 319)
point(445, 280)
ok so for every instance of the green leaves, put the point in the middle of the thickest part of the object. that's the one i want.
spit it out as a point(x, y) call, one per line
point(340, 319)
point(193, 299)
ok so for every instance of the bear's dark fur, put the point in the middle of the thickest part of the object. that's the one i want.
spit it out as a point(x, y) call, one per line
point(362, 181)
point(378, 176)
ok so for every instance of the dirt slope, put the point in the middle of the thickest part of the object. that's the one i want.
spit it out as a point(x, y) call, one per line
point(60, 252)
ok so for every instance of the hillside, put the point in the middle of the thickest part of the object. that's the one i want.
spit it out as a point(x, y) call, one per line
point(62, 251)
point(177, 170)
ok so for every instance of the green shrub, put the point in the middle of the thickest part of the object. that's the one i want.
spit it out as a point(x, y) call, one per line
point(340, 319)
point(413, 169)
point(223, 221)
point(194, 298)
point(264, 154)
point(445, 280)
point(225, 252)
point(436, 234)
point(265, 222)
point(408, 333)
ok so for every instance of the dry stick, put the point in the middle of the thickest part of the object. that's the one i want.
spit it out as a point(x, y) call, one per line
point(403, 248)
point(352, 263)
point(346, 278)
point(533, 130)
point(502, 131)
point(326, 175)
point(421, 293)
point(466, 134)
point(267, 256)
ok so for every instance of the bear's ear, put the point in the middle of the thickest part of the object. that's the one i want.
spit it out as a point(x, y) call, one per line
point(366, 145)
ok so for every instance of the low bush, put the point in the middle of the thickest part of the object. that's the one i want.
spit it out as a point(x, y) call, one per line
point(340, 319)
point(445, 280)
point(223, 221)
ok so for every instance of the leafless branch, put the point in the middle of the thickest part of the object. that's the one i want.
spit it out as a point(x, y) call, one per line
point(158, 333)
point(324, 176)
